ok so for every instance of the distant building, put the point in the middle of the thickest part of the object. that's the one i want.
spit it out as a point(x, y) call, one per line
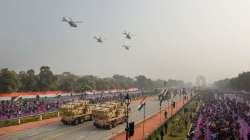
point(201, 81)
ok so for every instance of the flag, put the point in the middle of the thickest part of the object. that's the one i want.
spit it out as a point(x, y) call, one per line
point(166, 91)
point(163, 95)
point(163, 91)
point(14, 99)
point(141, 104)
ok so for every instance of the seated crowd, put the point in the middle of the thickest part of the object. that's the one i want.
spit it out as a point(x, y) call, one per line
point(221, 118)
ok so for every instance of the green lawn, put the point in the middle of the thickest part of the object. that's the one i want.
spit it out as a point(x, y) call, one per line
point(181, 135)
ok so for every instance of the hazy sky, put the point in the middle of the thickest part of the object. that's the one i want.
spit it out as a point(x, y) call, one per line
point(177, 39)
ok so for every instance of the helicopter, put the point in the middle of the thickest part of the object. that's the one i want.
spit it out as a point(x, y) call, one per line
point(127, 35)
point(126, 47)
point(98, 39)
point(71, 22)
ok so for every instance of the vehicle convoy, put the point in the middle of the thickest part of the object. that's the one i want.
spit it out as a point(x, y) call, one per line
point(109, 115)
point(76, 112)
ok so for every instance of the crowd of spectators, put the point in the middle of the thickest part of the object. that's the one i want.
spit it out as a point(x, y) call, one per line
point(24, 107)
point(243, 108)
point(221, 118)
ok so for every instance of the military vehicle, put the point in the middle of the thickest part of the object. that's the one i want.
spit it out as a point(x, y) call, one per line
point(76, 112)
point(109, 115)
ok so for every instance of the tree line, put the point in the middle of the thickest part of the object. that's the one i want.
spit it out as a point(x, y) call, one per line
point(241, 82)
point(46, 80)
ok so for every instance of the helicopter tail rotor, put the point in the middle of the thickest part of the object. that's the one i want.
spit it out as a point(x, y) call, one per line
point(95, 37)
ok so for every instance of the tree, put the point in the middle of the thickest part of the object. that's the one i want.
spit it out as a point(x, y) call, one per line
point(123, 81)
point(100, 84)
point(226, 83)
point(110, 83)
point(32, 80)
point(241, 82)
point(66, 81)
point(28, 80)
point(143, 82)
point(159, 83)
point(175, 83)
point(86, 83)
point(46, 79)
point(22, 76)
point(8, 81)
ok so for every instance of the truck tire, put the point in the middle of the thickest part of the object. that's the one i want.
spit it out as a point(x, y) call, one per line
point(64, 122)
point(113, 124)
point(82, 120)
point(76, 122)
point(95, 125)
point(109, 126)
point(124, 120)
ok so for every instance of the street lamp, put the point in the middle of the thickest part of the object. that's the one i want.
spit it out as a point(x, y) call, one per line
point(183, 95)
point(161, 100)
point(127, 102)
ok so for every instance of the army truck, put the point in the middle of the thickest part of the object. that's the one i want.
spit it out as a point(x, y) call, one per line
point(109, 115)
point(76, 112)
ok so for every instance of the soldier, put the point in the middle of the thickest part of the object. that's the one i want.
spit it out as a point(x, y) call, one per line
point(166, 114)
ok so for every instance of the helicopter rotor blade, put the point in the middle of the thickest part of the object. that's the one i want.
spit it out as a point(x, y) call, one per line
point(70, 18)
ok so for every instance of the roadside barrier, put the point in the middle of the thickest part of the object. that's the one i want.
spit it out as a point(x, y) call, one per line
point(29, 118)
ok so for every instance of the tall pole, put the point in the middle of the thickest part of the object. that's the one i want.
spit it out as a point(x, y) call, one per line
point(171, 109)
point(127, 101)
point(183, 97)
point(144, 116)
point(160, 112)
point(127, 124)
